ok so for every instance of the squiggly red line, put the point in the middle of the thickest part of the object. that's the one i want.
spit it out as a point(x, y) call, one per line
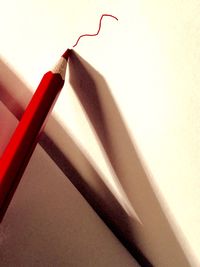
point(95, 34)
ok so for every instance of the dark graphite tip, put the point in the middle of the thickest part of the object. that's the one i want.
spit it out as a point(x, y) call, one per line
point(66, 54)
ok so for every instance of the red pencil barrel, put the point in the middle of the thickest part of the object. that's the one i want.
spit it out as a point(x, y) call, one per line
point(20, 148)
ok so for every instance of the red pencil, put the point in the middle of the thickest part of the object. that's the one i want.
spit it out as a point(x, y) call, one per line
point(22, 143)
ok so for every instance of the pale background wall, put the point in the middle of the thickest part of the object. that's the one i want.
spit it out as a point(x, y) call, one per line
point(150, 59)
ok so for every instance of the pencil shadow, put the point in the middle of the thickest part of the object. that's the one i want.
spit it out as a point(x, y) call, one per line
point(72, 162)
point(154, 236)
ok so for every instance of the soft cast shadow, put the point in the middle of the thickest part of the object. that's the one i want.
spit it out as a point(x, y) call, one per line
point(155, 236)
point(70, 159)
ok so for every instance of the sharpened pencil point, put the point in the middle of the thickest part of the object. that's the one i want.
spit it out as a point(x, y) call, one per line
point(66, 54)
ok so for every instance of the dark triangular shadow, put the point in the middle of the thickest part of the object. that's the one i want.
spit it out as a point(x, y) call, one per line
point(155, 236)
point(73, 163)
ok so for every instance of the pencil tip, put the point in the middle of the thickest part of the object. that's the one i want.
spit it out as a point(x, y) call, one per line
point(66, 54)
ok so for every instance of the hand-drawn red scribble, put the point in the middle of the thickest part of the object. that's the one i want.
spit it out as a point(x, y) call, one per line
point(95, 34)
